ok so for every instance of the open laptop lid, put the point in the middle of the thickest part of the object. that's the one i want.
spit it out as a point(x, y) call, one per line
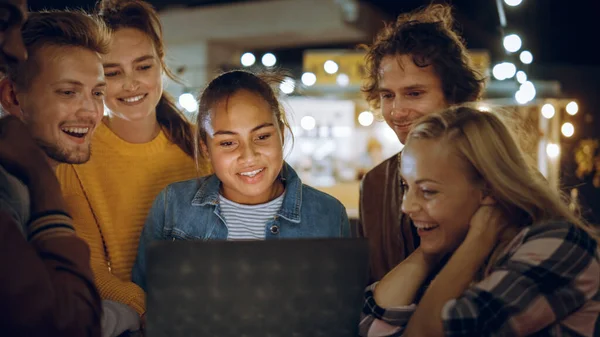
point(303, 287)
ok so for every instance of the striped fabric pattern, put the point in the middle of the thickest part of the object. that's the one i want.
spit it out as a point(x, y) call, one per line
point(49, 224)
point(546, 284)
point(247, 222)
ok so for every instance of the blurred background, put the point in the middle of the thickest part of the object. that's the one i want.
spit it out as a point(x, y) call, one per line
point(538, 55)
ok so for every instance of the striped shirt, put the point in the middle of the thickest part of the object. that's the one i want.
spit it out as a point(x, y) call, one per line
point(248, 221)
point(547, 283)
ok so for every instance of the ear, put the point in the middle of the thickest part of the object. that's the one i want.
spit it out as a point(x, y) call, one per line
point(204, 150)
point(486, 197)
point(8, 98)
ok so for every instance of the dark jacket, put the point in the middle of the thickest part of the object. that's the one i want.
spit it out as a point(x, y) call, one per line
point(390, 233)
point(46, 285)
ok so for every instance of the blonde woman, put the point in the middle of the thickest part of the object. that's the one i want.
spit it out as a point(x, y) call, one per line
point(144, 144)
point(506, 255)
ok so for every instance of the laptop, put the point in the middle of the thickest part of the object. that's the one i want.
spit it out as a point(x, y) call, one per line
point(288, 288)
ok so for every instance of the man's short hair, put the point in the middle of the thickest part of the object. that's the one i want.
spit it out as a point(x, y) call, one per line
point(427, 35)
point(63, 28)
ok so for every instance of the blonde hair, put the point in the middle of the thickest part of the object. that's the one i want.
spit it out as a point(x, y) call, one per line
point(63, 28)
point(485, 143)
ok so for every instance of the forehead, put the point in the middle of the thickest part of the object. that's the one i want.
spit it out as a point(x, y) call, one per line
point(128, 44)
point(56, 63)
point(242, 109)
point(399, 71)
point(432, 159)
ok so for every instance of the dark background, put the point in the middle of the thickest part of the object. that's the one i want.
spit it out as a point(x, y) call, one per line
point(562, 35)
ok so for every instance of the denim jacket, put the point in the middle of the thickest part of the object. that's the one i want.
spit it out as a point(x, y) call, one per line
point(189, 210)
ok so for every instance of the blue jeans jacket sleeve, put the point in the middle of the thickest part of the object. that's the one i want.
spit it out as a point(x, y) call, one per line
point(153, 230)
point(345, 224)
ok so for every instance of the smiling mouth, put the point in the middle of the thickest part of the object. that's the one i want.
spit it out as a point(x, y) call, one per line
point(133, 99)
point(251, 173)
point(425, 226)
point(76, 132)
point(403, 125)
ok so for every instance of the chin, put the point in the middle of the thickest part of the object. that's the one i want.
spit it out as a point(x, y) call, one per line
point(435, 249)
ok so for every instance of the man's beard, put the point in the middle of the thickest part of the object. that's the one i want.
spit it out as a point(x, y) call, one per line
point(61, 156)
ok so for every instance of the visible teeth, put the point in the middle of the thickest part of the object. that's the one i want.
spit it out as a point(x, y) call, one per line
point(76, 130)
point(425, 225)
point(252, 173)
point(133, 99)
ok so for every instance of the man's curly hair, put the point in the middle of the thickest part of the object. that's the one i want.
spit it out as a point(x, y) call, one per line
point(427, 35)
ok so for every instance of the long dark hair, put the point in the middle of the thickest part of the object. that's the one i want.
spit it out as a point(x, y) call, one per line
point(140, 15)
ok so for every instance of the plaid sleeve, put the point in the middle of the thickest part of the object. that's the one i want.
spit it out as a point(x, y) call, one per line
point(549, 274)
point(379, 322)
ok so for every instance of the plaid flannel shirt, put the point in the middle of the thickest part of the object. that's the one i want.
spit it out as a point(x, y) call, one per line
point(547, 282)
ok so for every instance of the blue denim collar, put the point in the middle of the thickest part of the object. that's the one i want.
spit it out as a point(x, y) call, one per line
point(208, 193)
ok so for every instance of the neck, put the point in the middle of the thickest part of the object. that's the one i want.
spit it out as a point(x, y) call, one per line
point(53, 163)
point(276, 190)
point(136, 132)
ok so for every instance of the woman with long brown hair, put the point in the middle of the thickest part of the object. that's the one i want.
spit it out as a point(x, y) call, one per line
point(143, 144)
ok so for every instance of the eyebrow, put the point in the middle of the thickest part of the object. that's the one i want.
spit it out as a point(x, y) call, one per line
point(420, 181)
point(77, 83)
point(137, 60)
point(226, 132)
point(408, 88)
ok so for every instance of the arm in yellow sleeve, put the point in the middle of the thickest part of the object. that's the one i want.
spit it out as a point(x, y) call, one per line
point(86, 227)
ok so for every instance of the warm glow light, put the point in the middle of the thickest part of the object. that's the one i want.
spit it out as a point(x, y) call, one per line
point(309, 79)
point(248, 59)
point(287, 86)
point(269, 60)
point(513, 3)
point(552, 150)
point(521, 76)
point(483, 107)
point(343, 80)
point(521, 97)
point(365, 118)
point(512, 43)
point(188, 102)
point(526, 57)
point(308, 122)
point(504, 70)
point(330, 67)
point(528, 90)
point(567, 129)
point(572, 108)
point(548, 110)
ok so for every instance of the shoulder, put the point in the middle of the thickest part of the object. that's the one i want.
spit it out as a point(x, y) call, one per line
point(379, 173)
point(184, 188)
point(554, 245)
point(561, 231)
point(311, 195)
point(69, 180)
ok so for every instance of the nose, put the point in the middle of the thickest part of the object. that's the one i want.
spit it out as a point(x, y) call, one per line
point(92, 108)
point(248, 153)
point(130, 83)
point(399, 108)
point(409, 203)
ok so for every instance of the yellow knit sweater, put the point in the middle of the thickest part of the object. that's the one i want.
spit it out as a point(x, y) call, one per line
point(109, 198)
